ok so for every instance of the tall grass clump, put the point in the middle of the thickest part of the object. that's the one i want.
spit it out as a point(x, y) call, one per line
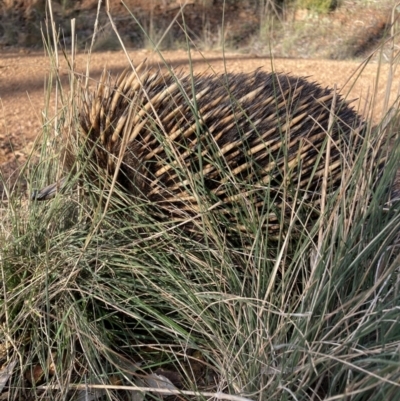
point(103, 299)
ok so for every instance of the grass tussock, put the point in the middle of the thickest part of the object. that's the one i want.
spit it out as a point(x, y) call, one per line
point(105, 300)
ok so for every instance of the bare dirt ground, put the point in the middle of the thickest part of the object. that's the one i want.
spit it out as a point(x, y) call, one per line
point(23, 91)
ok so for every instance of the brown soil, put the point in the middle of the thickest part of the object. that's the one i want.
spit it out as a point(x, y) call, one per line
point(23, 77)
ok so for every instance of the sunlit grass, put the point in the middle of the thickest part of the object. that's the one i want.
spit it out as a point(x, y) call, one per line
point(107, 293)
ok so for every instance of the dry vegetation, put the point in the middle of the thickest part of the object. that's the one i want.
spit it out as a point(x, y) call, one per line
point(250, 34)
point(97, 302)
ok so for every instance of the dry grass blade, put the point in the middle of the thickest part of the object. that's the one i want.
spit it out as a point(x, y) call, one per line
point(208, 276)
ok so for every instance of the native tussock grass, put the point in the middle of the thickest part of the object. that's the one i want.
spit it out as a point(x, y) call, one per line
point(99, 295)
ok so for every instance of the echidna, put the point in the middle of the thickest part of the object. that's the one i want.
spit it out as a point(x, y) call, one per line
point(189, 144)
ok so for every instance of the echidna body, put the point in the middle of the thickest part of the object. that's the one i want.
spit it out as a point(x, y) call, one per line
point(189, 144)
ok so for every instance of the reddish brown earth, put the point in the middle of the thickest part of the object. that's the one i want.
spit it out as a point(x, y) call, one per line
point(23, 91)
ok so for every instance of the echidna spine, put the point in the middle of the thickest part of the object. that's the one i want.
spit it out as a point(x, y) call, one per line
point(160, 133)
